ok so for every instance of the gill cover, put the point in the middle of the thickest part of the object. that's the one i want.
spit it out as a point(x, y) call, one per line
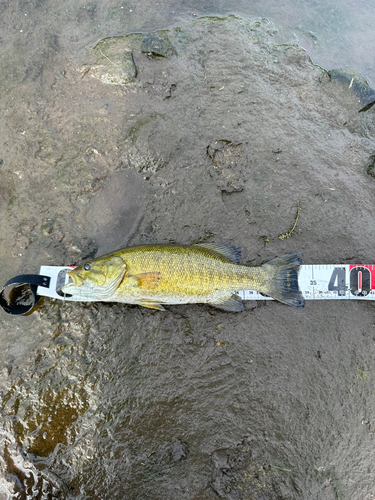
point(97, 279)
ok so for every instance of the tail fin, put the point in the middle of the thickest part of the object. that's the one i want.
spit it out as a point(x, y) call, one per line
point(283, 282)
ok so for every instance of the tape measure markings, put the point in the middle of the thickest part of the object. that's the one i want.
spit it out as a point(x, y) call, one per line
point(331, 281)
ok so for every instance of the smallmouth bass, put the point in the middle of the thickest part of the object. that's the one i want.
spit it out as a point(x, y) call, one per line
point(208, 273)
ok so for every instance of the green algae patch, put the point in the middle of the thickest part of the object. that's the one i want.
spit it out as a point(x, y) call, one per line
point(42, 429)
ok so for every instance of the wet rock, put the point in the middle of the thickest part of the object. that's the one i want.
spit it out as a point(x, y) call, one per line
point(47, 226)
point(157, 45)
point(228, 169)
point(370, 167)
point(142, 163)
point(179, 451)
point(356, 85)
point(238, 474)
point(112, 62)
point(49, 428)
point(26, 478)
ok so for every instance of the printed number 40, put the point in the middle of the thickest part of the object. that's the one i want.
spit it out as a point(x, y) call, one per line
point(337, 281)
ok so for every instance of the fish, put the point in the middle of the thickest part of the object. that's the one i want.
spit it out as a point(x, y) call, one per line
point(156, 275)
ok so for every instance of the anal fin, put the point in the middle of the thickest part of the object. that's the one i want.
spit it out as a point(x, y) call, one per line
point(230, 303)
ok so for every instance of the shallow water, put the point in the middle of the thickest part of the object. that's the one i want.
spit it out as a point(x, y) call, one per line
point(214, 129)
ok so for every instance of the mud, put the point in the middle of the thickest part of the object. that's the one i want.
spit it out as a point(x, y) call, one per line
point(216, 129)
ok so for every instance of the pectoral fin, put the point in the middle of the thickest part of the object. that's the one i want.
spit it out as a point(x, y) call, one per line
point(231, 303)
point(144, 280)
point(151, 305)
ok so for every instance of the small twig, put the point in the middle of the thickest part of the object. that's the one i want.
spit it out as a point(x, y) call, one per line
point(289, 234)
point(280, 468)
point(108, 58)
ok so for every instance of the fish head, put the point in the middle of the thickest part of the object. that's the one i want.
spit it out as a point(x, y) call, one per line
point(97, 279)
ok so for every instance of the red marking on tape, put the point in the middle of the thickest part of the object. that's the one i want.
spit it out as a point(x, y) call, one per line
point(371, 268)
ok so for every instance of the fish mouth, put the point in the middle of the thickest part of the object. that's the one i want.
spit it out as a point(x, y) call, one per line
point(78, 287)
point(75, 281)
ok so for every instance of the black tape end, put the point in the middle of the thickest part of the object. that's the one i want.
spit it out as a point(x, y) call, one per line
point(18, 296)
point(18, 299)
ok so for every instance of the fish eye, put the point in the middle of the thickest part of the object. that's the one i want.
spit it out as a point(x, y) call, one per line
point(87, 267)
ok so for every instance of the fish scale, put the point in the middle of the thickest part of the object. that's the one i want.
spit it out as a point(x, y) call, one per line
point(185, 278)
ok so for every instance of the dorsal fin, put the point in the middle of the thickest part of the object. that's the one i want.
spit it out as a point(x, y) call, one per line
point(228, 250)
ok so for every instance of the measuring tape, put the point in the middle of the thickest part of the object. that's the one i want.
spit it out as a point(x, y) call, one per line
point(330, 281)
point(316, 282)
